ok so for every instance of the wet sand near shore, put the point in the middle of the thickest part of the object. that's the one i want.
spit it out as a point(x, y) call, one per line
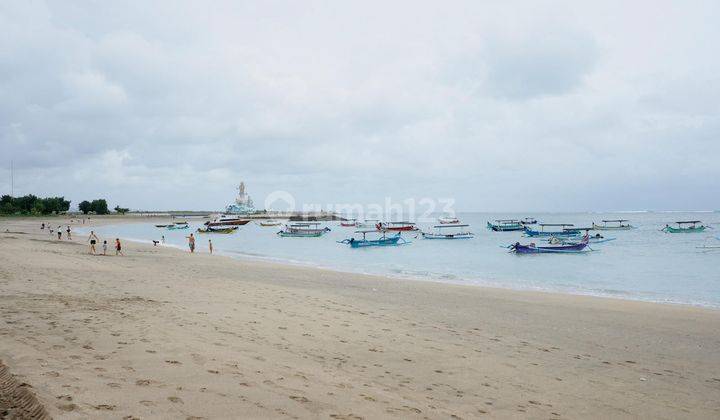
point(161, 333)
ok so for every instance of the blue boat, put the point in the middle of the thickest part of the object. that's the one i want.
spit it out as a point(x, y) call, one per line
point(567, 230)
point(383, 240)
point(505, 225)
point(566, 248)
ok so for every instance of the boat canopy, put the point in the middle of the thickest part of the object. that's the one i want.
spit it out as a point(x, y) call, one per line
point(449, 226)
point(305, 224)
point(556, 224)
point(507, 221)
point(615, 221)
point(689, 222)
point(401, 223)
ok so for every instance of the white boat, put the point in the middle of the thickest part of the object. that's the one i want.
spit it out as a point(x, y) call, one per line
point(454, 231)
point(270, 222)
point(448, 220)
point(618, 224)
point(367, 224)
point(225, 220)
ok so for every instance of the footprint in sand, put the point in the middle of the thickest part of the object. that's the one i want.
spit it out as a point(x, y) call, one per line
point(176, 400)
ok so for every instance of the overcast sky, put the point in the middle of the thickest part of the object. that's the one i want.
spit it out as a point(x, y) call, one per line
point(500, 105)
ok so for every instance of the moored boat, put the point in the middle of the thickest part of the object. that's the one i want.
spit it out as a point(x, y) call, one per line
point(529, 221)
point(303, 230)
point(209, 229)
point(617, 224)
point(447, 232)
point(162, 226)
point(567, 230)
point(348, 223)
point(397, 226)
point(227, 220)
point(367, 223)
point(566, 248)
point(690, 226)
point(448, 220)
point(505, 225)
point(270, 222)
point(177, 227)
point(383, 240)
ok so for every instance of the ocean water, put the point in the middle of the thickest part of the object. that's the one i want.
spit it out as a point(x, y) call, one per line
point(641, 264)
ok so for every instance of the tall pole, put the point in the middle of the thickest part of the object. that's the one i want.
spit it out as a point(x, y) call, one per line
point(12, 179)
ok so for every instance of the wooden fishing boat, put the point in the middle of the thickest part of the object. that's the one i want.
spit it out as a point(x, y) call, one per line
point(177, 227)
point(397, 226)
point(442, 233)
point(270, 222)
point(529, 221)
point(162, 226)
point(617, 224)
point(303, 230)
point(690, 226)
point(383, 240)
point(348, 223)
point(567, 230)
point(592, 239)
point(181, 223)
point(226, 230)
point(227, 220)
point(505, 225)
point(567, 248)
point(448, 220)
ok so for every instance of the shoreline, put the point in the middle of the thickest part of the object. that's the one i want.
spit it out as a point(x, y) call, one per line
point(239, 256)
point(162, 333)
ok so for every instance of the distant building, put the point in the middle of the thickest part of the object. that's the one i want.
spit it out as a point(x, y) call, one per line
point(243, 203)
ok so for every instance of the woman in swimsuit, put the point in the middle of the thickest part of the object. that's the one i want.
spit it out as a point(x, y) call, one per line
point(93, 240)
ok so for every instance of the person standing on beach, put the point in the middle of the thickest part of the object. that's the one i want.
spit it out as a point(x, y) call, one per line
point(93, 240)
point(210, 245)
point(118, 247)
point(162, 240)
point(42, 227)
point(104, 247)
point(191, 243)
point(68, 232)
point(59, 231)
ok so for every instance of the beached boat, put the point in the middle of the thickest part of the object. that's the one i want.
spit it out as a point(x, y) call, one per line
point(455, 231)
point(397, 226)
point(348, 223)
point(566, 248)
point(529, 221)
point(567, 230)
point(227, 220)
point(383, 240)
point(270, 222)
point(303, 230)
point(505, 225)
point(367, 223)
point(448, 220)
point(690, 226)
point(617, 224)
point(217, 230)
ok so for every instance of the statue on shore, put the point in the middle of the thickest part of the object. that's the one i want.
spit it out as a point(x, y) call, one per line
point(243, 203)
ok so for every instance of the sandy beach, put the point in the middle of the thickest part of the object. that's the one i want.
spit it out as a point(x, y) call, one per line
point(161, 333)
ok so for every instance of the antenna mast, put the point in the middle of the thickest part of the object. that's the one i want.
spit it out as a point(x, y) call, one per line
point(12, 179)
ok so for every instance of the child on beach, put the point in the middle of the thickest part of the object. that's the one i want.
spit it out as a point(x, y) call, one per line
point(104, 247)
point(68, 233)
point(59, 231)
point(118, 247)
point(210, 245)
point(191, 243)
point(93, 240)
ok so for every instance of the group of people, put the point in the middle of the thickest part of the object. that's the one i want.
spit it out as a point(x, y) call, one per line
point(191, 244)
point(59, 231)
point(93, 239)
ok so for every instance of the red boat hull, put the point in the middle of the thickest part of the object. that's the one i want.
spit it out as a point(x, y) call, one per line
point(228, 223)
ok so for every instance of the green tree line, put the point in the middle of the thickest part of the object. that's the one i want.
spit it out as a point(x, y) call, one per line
point(30, 204)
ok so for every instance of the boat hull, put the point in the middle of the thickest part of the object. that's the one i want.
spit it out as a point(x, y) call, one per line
point(363, 243)
point(178, 227)
point(228, 223)
point(218, 230)
point(505, 228)
point(600, 227)
point(448, 236)
point(561, 249)
point(670, 229)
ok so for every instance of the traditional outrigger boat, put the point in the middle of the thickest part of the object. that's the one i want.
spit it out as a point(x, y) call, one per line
point(529, 221)
point(566, 248)
point(348, 223)
point(505, 225)
point(227, 220)
point(448, 220)
point(613, 225)
point(383, 240)
point(714, 246)
point(303, 230)
point(397, 226)
point(270, 222)
point(177, 227)
point(567, 230)
point(162, 226)
point(181, 223)
point(440, 232)
point(690, 226)
point(226, 230)
point(592, 239)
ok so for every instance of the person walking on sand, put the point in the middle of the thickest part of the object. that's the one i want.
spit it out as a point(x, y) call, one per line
point(93, 240)
point(118, 247)
point(162, 240)
point(68, 232)
point(191, 243)
point(104, 247)
point(59, 231)
point(210, 245)
point(42, 227)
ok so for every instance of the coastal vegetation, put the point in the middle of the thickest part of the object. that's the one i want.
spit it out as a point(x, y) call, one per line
point(33, 205)
point(98, 206)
